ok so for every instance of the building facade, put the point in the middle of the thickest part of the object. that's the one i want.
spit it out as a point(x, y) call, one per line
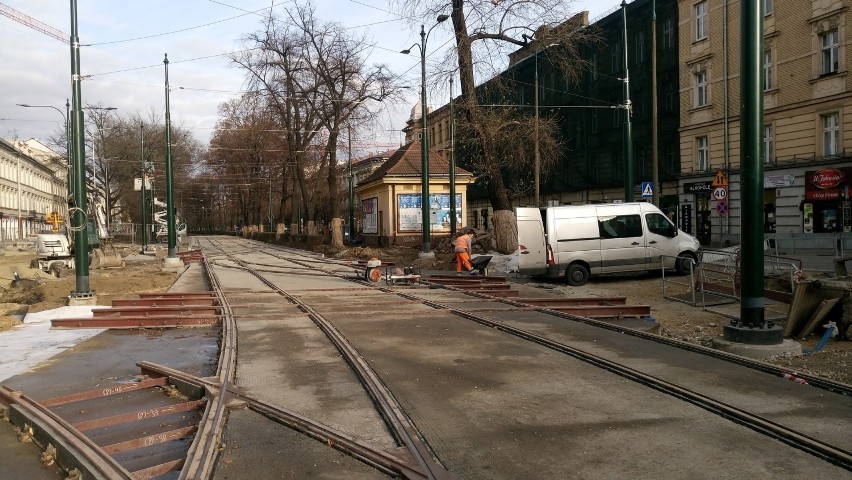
point(807, 131)
point(33, 184)
point(589, 106)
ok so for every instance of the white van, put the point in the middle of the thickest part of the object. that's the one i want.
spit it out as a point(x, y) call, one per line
point(578, 241)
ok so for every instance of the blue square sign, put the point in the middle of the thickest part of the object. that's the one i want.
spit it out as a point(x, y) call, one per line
point(647, 189)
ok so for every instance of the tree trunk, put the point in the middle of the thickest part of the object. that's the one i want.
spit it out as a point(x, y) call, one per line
point(506, 239)
point(336, 232)
point(505, 231)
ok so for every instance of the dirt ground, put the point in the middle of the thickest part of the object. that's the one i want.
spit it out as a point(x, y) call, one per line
point(38, 290)
point(41, 291)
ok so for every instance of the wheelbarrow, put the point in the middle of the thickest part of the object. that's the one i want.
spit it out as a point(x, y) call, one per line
point(481, 263)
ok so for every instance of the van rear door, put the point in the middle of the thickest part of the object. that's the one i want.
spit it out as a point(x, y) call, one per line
point(532, 252)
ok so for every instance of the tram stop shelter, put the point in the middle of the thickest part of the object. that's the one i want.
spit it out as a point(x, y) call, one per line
point(391, 199)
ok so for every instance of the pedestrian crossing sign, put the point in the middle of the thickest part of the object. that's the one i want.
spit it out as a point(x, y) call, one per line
point(647, 189)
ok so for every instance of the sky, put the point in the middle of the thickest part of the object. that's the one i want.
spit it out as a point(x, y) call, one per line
point(124, 46)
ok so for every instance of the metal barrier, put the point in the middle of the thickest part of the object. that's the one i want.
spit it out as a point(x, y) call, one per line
point(717, 273)
point(689, 284)
point(810, 243)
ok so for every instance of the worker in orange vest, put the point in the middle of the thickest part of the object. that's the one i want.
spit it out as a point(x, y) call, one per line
point(464, 245)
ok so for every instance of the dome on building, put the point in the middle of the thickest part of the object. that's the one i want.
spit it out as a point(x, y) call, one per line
point(415, 111)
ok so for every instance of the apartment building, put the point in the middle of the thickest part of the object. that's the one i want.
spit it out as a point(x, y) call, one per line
point(588, 105)
point(807, 131)
point(32, 185)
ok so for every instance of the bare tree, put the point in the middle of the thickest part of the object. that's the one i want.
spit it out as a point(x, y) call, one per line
point(484, 32)
point(245, 156)
point(314, 76)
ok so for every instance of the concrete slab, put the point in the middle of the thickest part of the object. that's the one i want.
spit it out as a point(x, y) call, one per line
point(787, 347)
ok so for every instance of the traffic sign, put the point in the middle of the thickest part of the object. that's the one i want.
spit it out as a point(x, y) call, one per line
point(647, 189)
point(720, 193)
point(722, 208)
point(720, 180)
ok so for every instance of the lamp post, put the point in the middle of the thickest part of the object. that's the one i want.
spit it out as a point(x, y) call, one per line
point(67, 136)
point(171, 260)
point(144, 179)
point(350, 192)
point(628, 133)
point(452, 164)
point(426, 250)
point(82, 292)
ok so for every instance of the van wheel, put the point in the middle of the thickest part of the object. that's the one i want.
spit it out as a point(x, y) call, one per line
point(577, 275)
point(682, 263)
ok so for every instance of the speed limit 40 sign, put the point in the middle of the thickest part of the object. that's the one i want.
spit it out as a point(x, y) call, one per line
point(720, 193)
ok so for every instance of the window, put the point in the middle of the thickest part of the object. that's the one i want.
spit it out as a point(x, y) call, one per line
point(831, 134)
point(620, 226)
point(659, 224)
point(640, 47)
point(768, 140)
point(702, 153)
point(668, 34)
point(615, 53)
point(830, 55)
point(616, 117)
point(701, 20)
point(767, 8)
point(767, 70)
point(594, 121)
point(671, 96)
point(701, 89)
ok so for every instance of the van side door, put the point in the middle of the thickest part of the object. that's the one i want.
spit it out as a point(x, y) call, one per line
point(661, 245)
point(622, 243)
point(532, 252)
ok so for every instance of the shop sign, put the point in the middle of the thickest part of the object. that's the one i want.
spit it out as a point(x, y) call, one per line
point(827, 178)
point(819, 195)
point(778, 181)
point(697, 187)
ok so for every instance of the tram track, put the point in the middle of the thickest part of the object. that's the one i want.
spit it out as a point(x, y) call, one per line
point(814, 446)
point(417, 458)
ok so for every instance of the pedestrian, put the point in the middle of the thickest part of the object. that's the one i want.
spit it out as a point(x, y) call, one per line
point(464, 244)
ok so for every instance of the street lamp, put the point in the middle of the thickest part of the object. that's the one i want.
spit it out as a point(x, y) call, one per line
point(628, 134)
point(426, 251)
point(67, 136)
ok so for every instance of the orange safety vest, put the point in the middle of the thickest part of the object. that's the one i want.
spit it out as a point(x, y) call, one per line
point(463, 243)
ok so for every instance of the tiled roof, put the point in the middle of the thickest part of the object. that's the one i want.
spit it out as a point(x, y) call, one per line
point(405, 162)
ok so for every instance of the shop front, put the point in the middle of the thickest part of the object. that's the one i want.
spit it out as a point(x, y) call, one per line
point(702, 208)
point(826, 207)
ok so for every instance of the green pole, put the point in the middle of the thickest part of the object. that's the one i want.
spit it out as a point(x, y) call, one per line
point(453, 219)
point(170, 196)
point(351, 193)
point(628, 133)
point(144, 171)
point(424, 147)
point(752, 327)
point(81, 239)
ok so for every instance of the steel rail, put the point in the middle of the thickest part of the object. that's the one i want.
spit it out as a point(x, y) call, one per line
point(401, 427)
point(77, 450)
point(382, 460)
point(812, 380)
point(202, 454)
point(816, 447)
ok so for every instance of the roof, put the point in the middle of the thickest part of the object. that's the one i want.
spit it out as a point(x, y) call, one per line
point(405, 162)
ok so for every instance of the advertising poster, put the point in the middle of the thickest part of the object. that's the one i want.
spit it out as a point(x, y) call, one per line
point(370, 214)
point(410, 214)
point(808, 210)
